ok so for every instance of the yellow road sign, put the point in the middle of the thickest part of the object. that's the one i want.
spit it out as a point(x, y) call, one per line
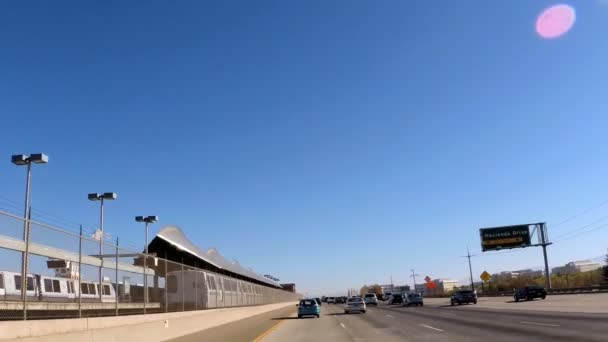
point(505, 241)
point(485, 276)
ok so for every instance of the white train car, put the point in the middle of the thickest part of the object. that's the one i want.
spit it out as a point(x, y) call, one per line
point(53, 289)
point(204, 290)
point(56, 289)
point(11, 282)
point(90, 291)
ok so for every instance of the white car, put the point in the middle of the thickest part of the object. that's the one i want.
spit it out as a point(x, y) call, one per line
point(331, 300)
point(355, 304)
point(370, 299)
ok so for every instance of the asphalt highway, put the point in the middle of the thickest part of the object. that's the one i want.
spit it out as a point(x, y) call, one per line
point(248, 329)
point(441, 323)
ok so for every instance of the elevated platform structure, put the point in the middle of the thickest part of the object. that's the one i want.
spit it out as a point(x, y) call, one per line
point(170, 243)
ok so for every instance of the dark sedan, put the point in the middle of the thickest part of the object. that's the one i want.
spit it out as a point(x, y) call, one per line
point(529, 293)
point(463, 297)
point(395, 298)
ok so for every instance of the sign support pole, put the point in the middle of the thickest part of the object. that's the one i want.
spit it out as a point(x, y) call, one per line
point(544, 244)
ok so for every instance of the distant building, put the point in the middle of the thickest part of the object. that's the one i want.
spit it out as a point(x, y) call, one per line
point(391, 288)
point(446, 285)
point(505, 274)
point(291, 287)
point(518, 273)
point(442, 287)
point(387, 288)
point(529, 273)
point(402, 289)
point(576, 267)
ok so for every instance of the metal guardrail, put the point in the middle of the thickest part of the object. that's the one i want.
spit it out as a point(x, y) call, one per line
point(554, 291)
point(577, 290)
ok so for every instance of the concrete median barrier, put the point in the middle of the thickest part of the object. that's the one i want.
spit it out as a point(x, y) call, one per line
point(152, 327)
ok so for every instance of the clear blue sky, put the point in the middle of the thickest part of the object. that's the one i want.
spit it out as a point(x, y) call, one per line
point(329, 143)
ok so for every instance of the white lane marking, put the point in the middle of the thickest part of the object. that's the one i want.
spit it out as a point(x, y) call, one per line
point(543, 324)
point(430, 327)
point(389, 316)
point(342, 325)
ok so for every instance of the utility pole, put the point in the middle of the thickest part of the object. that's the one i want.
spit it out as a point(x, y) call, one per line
point(470, 269)
point(544, 243)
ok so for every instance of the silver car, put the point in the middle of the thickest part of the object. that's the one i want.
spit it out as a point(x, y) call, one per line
point(370, 299)
point(412, 299)
point(355, 304)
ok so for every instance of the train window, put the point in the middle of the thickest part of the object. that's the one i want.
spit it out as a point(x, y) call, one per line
point(48, 285)
point(106, 290)
point(17, 282)
point(92, 289)
point(56, 286)
point(98, 290)
point(70, 290)
point(212, 283)
point(84, 288)
point(172, 284)
point(1, 281)
point(30, 284)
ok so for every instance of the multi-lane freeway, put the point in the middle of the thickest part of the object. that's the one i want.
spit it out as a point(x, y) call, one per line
point(441, 322)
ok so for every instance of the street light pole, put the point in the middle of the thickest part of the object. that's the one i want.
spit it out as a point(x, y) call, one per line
point(101, 198)
point(101, 250)
point(20, 160)
point(27, 193)
point(147, 220)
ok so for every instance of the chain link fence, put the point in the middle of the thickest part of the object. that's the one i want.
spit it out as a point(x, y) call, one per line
point(79, 274)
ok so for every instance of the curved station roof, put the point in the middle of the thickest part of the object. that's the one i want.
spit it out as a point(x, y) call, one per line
point(171, 243)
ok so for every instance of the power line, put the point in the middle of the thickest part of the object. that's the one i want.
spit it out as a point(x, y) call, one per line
point(586, 211)
point(584, 232)
point(581, 228)
point(56, 221)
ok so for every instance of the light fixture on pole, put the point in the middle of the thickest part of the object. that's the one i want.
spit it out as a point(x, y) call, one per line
point(414, 274)
point(147, 220)
point(101, 197)
point(25, 160)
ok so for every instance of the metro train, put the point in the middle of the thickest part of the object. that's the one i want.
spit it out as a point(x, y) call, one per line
point(48, 288)
point(196, 289)
point(206, 290)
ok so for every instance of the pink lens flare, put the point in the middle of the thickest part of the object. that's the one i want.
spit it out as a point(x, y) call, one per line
point(555, 21)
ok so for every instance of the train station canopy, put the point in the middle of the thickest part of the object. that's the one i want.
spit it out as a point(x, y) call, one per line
point(171, 243)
